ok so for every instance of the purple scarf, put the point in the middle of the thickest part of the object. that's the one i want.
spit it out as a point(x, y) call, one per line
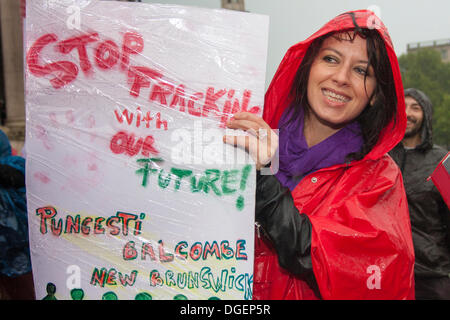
point(297, 160)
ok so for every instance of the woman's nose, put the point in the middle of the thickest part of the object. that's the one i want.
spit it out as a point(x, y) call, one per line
point(341, 76)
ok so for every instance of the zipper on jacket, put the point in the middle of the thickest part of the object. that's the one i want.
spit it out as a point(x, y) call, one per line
point(258, 227)
point(260, 231)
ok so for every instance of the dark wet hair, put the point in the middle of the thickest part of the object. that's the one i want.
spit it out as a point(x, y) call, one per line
point(374, 117)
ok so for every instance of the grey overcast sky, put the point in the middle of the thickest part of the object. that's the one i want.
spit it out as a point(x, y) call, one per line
point(292, 21)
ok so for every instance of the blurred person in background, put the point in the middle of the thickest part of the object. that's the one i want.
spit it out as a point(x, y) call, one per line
point(417, 157)
point(16, 281)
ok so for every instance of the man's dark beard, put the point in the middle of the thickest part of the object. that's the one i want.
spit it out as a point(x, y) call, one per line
point(413, 132)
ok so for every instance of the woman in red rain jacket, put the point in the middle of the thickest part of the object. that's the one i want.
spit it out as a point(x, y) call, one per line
point(334, 219)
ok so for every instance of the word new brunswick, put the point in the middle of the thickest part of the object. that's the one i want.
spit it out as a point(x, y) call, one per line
point(124, 223)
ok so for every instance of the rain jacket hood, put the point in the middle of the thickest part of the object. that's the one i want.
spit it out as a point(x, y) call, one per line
point(426, 131)
point(6, 156)
point(277, 98)
point(14, 248)
point(361, 235)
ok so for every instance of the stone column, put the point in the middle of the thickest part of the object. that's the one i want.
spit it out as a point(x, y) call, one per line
point(12, 44)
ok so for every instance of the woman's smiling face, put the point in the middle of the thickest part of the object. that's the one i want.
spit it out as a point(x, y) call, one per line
point(340, 82)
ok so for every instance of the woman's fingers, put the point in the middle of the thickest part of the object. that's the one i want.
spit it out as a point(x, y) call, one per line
point(262, 142)
point(249, 126)
point(260, 150)
point(251, 123)
point(247, 116)
point(243, 141)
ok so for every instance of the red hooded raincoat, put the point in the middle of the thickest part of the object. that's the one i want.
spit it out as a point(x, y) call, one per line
point(361, 244)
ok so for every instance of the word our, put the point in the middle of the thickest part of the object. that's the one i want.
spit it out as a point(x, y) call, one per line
point(127, 143)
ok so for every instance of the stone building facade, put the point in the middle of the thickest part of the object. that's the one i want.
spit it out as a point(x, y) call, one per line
point(442, 46)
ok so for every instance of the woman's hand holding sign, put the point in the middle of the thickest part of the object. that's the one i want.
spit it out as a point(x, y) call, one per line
point(262, 141)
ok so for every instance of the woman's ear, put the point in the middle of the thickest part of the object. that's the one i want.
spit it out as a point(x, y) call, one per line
point(372, 100)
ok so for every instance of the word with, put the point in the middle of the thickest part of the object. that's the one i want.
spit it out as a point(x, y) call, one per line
point(221, 183)
point(163, 91)
point(140, 118)
point(104, 277)
point(124, 142)
point(118, 224)
point(196, 252)
point(228, 280)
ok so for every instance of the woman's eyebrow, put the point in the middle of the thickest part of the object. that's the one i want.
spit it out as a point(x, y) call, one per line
point(334, 50)
point(340, 54)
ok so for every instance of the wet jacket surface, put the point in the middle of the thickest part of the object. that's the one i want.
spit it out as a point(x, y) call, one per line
point(430, 217)
point(344, 231)
point(14, 247)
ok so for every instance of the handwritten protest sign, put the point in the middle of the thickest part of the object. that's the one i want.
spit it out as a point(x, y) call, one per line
point(131, 192)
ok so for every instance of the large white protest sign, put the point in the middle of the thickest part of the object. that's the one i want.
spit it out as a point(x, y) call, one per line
point(131, 192)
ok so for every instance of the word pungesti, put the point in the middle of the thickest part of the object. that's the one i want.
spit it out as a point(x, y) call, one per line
point(122, 223)
point(109, 55)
